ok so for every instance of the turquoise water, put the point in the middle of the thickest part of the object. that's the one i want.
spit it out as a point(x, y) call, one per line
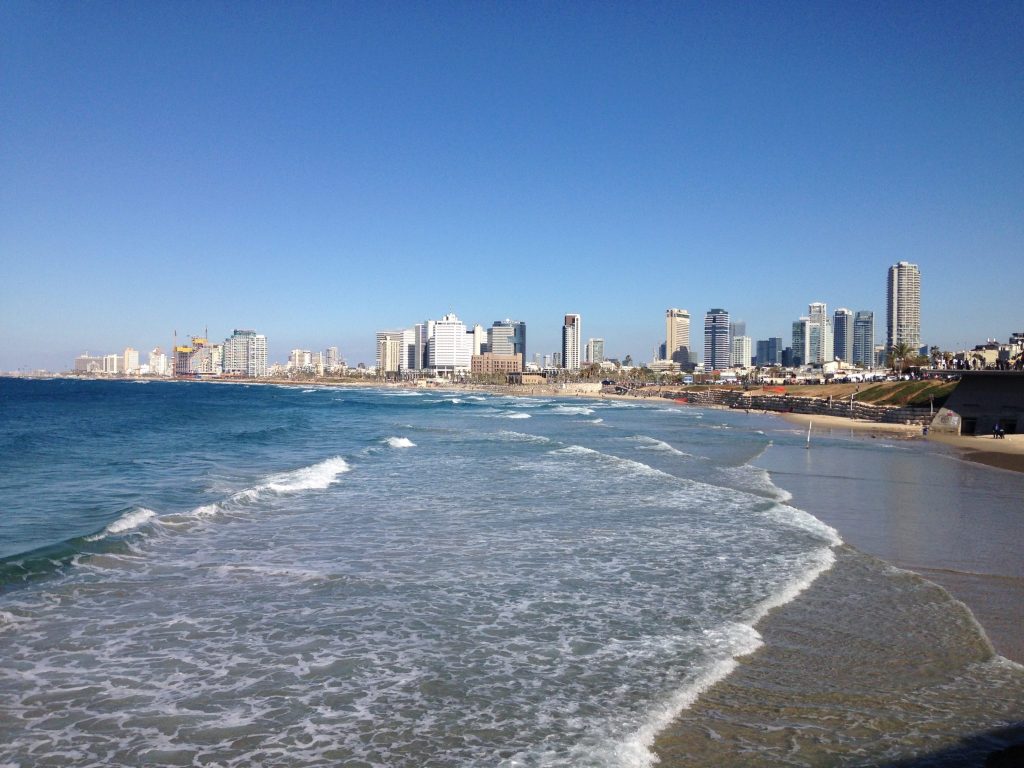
point(259, 575)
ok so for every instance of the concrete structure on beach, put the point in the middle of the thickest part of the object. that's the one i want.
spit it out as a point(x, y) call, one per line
point(982, 400)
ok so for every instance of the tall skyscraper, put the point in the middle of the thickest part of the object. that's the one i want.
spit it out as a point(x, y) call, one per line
point(842, 328)
point(571, 336)
point(820, 330)
point(903, 306)
point(864, 338)
point(677, 336)
point(507, 337)
point(595, 351)
point(717, 354)
point(801, 350)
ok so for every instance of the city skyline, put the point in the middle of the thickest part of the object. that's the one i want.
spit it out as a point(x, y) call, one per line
point(320, 173)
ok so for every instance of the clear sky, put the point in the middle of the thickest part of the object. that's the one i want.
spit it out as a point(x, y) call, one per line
point(319, 171)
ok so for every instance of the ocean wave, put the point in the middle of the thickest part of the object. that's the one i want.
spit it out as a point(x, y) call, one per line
point(523, 437)
point(572, 410)
point(315, 477)
point(134, 518)
point(653, 444)
point(618, 462)
point(400, 442)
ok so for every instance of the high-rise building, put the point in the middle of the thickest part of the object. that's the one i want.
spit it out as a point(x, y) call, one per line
point(300, 359)
point(717, 354)
point(842, 339)
point(157, 362)
point(737, 328)
point(507, 337)
point(421, 353)
point(571, 343)
point(595, 351)
point(244, 353)
point(390, 348)
point(741, 351)
point(769, 352)
point(903, 306)
point(332, 359)
point(451, 348)
point(677, 336)
point(801, 349)
point(820, 334)
point(478, 340)
point(864, 338)
point(131, 360)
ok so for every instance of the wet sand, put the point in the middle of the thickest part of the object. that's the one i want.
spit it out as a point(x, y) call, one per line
point(917, 505)
point(1002, 453)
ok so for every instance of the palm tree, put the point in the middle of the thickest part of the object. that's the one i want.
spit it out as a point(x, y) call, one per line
point(900, 351)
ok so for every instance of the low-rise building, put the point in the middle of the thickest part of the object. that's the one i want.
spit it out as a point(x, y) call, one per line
point(491, 363)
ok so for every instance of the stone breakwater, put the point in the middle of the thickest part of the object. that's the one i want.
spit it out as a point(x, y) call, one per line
point(811, 406)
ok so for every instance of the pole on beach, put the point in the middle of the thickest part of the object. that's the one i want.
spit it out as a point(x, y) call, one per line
point(809, 423)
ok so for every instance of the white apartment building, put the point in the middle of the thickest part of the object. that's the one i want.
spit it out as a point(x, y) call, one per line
point(244, 353)
point(450, 348)
point(742, 350)
point(158, 362)
point(903, 306)
point(571, 343)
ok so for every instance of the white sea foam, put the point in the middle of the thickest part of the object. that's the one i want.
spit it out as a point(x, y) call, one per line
point(136, 518)
point(797, 518)
point(523, 437)
point(597, 421)
point(653, 444)
point(514, 415)
point(308, 390)
point(400, 442)
point(726, 645)
point(572, 410)
point(636, 467)
point(312, 478)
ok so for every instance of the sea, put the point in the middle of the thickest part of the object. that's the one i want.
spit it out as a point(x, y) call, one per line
point(194, 574)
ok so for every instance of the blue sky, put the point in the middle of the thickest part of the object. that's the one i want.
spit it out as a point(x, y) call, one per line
point(319, 171)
